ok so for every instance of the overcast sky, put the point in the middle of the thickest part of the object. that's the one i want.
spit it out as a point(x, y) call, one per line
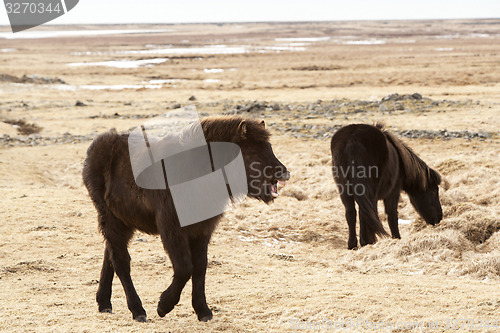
point(184, 11)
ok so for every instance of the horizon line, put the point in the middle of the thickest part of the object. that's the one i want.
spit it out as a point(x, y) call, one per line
point(267, 22)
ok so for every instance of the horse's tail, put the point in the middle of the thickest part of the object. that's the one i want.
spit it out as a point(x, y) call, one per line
point(96, 167)
point(362, 189)
point(367, 206)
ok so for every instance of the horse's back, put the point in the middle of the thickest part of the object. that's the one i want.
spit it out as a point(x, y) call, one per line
point(359, 143)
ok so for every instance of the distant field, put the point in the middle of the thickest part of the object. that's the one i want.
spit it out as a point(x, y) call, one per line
point(271, 268)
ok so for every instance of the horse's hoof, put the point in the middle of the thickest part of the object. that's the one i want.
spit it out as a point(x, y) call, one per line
point(141, 319)
point(205, 315)
point(206, 318)
point(162, 313)
point(106, 310)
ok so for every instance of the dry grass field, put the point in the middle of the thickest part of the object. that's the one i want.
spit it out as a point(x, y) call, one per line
point(278, 267)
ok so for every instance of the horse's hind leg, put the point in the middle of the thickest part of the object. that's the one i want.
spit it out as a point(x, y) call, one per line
point(391, 209)
point(175, 243)
point(117, 236)
point(103, 295)
point(366, 234)
point(350, 216)
point(199, 248)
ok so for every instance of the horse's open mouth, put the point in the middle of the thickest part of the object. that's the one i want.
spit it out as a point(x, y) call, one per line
point(275, 185)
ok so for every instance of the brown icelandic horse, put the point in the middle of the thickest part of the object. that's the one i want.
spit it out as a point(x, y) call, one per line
point(370, 164)
point(124, 207)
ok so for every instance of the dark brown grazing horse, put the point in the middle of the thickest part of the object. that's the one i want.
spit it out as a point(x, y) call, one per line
point(370, 164)
point(123, 207)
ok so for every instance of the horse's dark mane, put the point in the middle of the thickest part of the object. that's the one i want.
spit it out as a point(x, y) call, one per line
point(418, 175)
point(234, 129)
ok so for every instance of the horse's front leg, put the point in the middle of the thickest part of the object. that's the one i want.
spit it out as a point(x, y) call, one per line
point(391, 210)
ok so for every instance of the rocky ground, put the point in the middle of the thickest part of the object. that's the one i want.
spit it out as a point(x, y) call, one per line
point(289, 115)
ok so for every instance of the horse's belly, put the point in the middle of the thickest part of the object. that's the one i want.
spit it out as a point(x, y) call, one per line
point(131, 208)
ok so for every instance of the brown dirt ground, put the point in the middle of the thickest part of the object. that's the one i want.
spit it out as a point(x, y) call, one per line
point(276, 267)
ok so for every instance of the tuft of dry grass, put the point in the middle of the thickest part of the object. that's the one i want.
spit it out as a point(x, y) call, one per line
point(23, 127)
point(493, 243)
point(294, 192)
point(444, 252)
point(481, 265)
point(476, 230)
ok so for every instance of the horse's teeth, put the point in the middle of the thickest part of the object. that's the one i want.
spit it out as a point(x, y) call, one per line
point(275, 195)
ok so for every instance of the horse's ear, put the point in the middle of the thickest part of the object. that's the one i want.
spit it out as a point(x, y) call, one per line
point(263, 123)
point(242, 129)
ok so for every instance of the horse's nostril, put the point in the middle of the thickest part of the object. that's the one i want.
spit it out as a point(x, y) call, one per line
point(285, 175)
point(437, 219)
